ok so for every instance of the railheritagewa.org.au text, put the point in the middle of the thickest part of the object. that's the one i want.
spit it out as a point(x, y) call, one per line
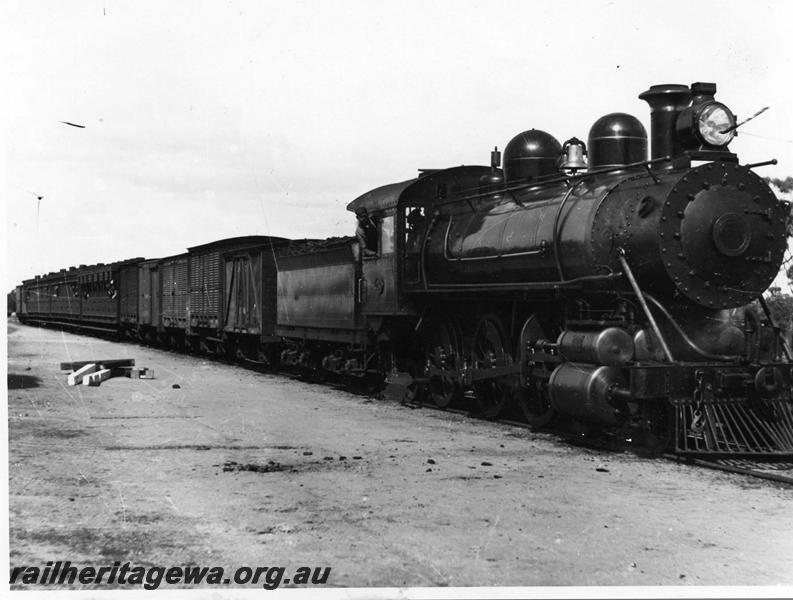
point(120, 574)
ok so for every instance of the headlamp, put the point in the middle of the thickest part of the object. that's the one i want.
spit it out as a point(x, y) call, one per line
point(715, 124)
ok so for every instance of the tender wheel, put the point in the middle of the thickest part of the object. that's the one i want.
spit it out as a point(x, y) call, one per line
point(228, 350)
point(533, 400)
point(490, 351)
point(443, 353)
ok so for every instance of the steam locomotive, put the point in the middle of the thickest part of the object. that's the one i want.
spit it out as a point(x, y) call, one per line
point(582, 281)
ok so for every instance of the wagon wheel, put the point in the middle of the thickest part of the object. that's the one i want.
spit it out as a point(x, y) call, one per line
point(311, 367)
point(490, 351)
point(229, 350)
point(265, 357)
point(443, 352)
point(176, 342)
point(533, 400)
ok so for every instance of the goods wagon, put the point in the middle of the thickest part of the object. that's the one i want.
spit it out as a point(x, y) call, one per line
point(175, 294)
point(249, 280)
point(149, 299)
point(209, 273)
point(129, 298)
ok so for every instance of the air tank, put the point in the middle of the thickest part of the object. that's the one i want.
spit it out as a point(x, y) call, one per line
point(611, 346)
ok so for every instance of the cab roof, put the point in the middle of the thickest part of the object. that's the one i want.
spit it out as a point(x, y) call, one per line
point(459, 180)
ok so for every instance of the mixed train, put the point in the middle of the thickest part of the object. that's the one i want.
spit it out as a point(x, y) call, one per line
point(583, 281)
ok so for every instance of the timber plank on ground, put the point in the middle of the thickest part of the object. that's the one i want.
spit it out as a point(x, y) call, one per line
point(97, 378)
point(106, 363)
point(76, 378)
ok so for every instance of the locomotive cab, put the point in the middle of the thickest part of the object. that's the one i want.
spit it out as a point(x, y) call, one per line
point(378, 289)
point(407, 215)
point(412, 225)
point(379, 292)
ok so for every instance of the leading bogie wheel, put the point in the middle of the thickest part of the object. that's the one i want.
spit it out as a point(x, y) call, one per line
point(533, 400)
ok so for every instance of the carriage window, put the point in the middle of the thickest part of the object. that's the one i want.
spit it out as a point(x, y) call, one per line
point(387, 235)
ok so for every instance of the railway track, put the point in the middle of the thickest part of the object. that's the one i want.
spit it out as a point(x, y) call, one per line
point(771, 470)
point(778, 471)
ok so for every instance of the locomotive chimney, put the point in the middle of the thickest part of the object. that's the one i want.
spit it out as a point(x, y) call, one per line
point(666, 102)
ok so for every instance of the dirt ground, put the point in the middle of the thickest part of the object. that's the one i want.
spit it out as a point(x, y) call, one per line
point(211, 464)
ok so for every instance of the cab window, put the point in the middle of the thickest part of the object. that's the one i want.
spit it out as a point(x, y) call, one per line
point(387, 235)
point(415, 220)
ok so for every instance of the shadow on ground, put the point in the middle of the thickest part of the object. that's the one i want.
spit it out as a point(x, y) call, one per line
point(18, 382)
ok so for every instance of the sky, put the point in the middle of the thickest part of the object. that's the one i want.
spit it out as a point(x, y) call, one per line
point(208, 120)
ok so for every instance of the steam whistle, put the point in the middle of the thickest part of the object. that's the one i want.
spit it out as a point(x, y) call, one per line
point(495, 159)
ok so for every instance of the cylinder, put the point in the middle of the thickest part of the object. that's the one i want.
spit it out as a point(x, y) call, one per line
point(611, 346)
point(583, 392)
